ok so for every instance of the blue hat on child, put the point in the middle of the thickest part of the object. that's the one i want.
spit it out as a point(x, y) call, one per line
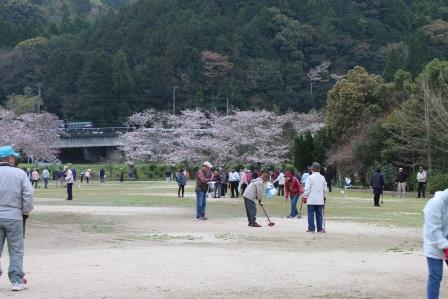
point(7, 151)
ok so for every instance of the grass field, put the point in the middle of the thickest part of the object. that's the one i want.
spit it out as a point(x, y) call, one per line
point(139, 240)
point(352, 206)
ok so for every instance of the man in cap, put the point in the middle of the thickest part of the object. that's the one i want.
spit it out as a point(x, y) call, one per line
point(401, 180)
point(314, 195)
point(69, 180)
point(16, 202)
point(203, 176)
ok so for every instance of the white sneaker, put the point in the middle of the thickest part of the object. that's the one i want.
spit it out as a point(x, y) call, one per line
point(18, 286)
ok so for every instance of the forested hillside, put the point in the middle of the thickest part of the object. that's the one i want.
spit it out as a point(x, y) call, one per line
point(275, 54)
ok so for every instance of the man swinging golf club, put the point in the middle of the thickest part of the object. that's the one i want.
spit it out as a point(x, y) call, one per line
point(314, 196)
point(16, 202)
point(253, 193)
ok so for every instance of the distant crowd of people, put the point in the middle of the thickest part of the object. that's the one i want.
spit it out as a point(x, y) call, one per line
point(60, 176)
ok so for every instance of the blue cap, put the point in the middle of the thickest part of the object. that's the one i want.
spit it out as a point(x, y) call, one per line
point(7, 151)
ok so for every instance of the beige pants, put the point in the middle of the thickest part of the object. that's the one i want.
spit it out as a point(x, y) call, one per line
point(401, 189)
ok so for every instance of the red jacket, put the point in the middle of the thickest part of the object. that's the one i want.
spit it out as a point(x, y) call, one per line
point(293, 187)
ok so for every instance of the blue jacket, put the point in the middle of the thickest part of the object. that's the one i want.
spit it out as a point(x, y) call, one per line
point(181, 179)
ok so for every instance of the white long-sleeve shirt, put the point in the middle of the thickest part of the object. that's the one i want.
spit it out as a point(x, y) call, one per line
point(315, 189)
point(435, 229)
point(280, 179)
point(422, 177)
point(234, 177)
point(69, 176)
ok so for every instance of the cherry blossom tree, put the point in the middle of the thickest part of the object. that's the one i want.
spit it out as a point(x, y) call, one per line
point(193, 136)
point(33, 134)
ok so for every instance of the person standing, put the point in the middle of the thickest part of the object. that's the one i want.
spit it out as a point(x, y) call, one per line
point(435, 243)
point(181, 181)
point(168, 176)
point(401, 180)
point(203, 176)
point(328, 175)
point(88, 175)
point(422, 178)
point(305, 176)
point(35, 178)
point(122, 176)
point(28, 173)
point(274, 177)
point(314, 196)
point(377, 186)
point(234, 179)
point(281, 183)
point(16, 203)
point(69, 182)
point(223, 176)
point(243, 181)
point(217, 185)
point(102, 175)
point(46, 176)
point(293, 189)
point(253, 193)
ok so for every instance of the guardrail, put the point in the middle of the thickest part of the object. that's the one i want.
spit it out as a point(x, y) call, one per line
point(95, 132)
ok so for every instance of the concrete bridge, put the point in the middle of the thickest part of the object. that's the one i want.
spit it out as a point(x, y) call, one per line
point(89, 144)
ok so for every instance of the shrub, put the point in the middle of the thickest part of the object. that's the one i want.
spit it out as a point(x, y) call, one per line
point(438, 182)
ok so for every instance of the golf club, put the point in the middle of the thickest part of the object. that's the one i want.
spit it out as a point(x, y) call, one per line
point(382, 198)
point(270, 222)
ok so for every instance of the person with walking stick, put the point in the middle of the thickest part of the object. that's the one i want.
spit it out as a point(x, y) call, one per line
point(16, 203)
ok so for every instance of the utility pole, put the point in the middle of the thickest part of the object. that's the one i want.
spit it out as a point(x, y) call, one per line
point(39, 95)
point(174, 99)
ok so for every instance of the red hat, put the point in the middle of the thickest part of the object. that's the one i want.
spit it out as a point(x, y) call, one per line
point(288, 173)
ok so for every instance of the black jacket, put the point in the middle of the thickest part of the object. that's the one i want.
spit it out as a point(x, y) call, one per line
point(378, 182)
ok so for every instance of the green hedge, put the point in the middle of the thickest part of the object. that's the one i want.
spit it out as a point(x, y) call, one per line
point(438, 182)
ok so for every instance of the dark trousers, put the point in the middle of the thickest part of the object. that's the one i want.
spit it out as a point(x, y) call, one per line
point(223, 189)
point(181, 190)
point(69, 191)
point(315, 210)
point(234, 189)
point(34, 183)
point(243, 188)
point(329, 186)
point(82, 178)
point(46, 182)
point(421, 190)
point(217, 190)
point(376, 199)
point(281, 190)
point(251, 210)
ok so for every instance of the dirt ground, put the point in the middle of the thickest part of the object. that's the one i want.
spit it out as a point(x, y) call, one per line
point(145, 252)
